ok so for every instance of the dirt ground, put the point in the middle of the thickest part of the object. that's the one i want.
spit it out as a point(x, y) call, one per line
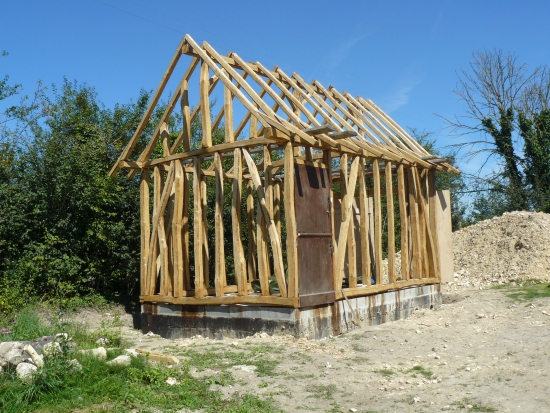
point(480, 351)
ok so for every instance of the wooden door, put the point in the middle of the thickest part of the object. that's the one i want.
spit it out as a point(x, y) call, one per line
point(312, 204)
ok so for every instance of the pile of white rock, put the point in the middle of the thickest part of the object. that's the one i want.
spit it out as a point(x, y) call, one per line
point(27, 357)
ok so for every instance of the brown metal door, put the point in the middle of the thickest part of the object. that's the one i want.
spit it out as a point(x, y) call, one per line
point(313, 211)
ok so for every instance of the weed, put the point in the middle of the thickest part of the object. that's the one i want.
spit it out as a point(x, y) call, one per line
point(421, 370)
point(527, 290)
point(358, 348)
point(472, 407)
point(322, 391)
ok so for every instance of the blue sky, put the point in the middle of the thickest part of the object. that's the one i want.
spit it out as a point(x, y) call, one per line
point(401, 54)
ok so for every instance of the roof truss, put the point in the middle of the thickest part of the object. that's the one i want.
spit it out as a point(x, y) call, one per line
point(277, 108)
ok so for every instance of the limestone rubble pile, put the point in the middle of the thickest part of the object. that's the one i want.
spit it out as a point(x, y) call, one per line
point(511, 247)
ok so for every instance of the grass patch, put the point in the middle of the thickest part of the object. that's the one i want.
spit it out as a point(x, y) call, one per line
point(385, 372)
point(323, 391)
point(223, 359)
point(421, 370)
point(526, 290)
point(102, 388)
point(358, 348)
point(463, 404)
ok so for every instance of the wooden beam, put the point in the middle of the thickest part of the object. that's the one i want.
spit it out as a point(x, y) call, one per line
point(177, 218)
point(391, 225)
point(377, 222)
point(251, 253)
point(238, 251)
point(198, 231)
point(402, 196)
point(415, 225)
point(220, 277)
point(364, 225)
point(290, 216)
point(347, 205)
point(145, 227)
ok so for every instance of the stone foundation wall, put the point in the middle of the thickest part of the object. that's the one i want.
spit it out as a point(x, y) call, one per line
point(238, 321)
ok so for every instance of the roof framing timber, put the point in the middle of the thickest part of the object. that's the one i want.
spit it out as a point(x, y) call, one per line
point(337, 121)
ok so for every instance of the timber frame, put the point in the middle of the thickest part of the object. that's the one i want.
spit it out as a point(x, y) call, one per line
point(305, 124)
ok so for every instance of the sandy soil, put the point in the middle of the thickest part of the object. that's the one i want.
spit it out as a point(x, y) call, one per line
point(479, 351)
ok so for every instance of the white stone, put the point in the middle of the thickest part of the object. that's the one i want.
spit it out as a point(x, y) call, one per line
point(102, 340)
point(123, 361)
point(51, 349)
point(328, 365)
point(171, 381)
point(246, 368)
point(352, 409)
point(12, 353)
point(74, 365)
point(99, 353)
point(131, 352)
point(25, 372)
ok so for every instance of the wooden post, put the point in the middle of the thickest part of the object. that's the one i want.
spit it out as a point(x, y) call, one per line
point(290, 216)
point(404, 223)
point(433, 218)
point(186, 115)
point(328, 162)
point(153, 241)
point(423, 223)
point(415, 227)
point(219, 281)
point(228, 114)
point(347, 204)
point(277, 206)
point(391, 226)
point(185, 233)
point(145, 228)
point(205, 105)
point(263, 262)
point(364, 225)
point(251, 258)
point(204, 238)
point(198, 229)
point(177, 229)
point(238, 251)
point(377, 222)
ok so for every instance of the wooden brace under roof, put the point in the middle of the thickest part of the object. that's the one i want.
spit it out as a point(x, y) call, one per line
point(336, 121)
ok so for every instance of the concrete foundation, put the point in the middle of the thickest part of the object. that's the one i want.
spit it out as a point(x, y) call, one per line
point(238, 321)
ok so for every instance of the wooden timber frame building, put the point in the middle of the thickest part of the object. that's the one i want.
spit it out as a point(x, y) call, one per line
point(309, 180)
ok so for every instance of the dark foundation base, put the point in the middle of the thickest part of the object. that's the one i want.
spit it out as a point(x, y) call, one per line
point(239, 321)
